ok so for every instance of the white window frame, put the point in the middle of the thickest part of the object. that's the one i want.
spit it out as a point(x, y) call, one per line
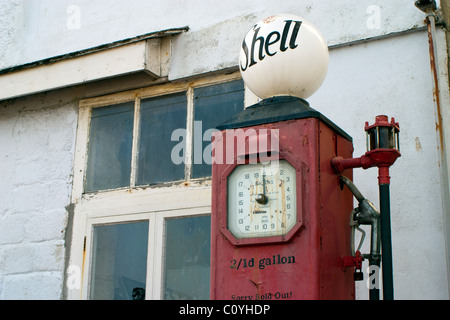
point(191, 197)
point(155, 249)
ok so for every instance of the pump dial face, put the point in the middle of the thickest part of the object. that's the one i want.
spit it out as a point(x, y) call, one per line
point(262, 200)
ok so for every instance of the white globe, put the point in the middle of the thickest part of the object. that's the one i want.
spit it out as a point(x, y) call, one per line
point(283, 55)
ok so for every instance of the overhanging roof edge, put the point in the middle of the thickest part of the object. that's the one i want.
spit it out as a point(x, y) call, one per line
point(151, 35)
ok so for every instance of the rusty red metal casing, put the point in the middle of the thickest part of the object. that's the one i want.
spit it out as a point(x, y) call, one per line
point(307, 263)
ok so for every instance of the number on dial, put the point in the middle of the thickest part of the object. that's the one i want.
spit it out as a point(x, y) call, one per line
point(262, 199)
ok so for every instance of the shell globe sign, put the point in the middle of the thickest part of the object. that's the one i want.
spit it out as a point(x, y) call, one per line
point(283, 55)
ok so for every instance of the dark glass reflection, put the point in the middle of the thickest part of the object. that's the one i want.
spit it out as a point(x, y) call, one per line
point(187, 258)
point(119, 264)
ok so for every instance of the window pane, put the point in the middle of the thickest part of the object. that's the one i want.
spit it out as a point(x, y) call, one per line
point(187, 255)
point(110, 142)
point(160, 117)
point(119, 261)
point(213, 105)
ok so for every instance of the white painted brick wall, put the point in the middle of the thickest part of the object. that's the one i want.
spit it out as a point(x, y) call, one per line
point(37, 138)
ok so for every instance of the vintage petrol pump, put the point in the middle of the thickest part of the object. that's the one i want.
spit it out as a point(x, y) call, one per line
point(280, 212)
point(279, 217)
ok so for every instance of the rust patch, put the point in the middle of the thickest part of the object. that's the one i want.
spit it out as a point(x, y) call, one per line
point(269, 19)
point(83, 261)
point(435, 88)
point(305, 140)
point(259, 286)
point(418, 145)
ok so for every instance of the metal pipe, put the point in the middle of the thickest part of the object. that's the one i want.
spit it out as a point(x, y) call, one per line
point(375, 258)
point(386, 242)
point(354, 190)
point(429, 8)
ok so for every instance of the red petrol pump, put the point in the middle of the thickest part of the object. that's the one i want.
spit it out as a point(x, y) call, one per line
point(279, 219)
point(280, 213)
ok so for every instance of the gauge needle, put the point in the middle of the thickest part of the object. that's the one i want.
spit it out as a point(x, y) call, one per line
point(264, 184)
point(262, 198)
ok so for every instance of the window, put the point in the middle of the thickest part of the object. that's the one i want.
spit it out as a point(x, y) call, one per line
point(212, 106)
point(186, 258)
point(162, 124)
point(160, 117)
point(142, 189)
point(110, 145)
point(119, 263)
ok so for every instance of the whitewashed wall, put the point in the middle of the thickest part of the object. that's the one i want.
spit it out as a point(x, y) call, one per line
point(37, 137)
point(389, 76)
point(392, 77)
point(39, 29)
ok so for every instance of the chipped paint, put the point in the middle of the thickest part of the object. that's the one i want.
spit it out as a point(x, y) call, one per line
point(418, 145)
